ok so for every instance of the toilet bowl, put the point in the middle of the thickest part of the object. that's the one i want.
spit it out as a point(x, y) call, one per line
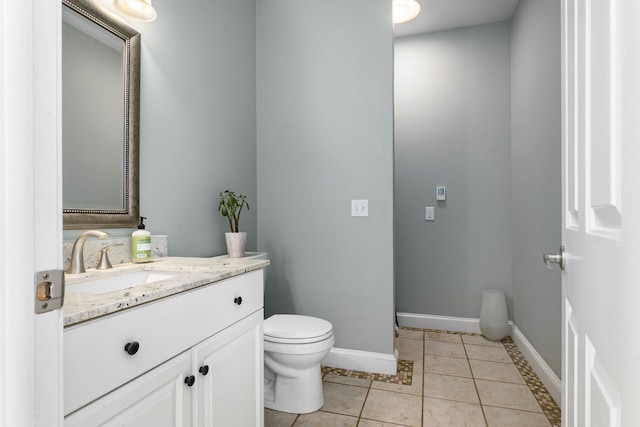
point(294, 346)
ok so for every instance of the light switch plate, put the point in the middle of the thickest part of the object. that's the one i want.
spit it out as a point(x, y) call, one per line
point(429, 214)
point(360, 208)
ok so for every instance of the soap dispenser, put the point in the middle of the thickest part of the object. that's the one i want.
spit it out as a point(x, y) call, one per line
point(141, 243)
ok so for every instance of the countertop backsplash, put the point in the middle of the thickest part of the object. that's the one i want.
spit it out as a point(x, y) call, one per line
point(118, 254)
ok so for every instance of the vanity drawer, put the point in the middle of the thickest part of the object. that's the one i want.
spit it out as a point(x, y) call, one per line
point(95, 360)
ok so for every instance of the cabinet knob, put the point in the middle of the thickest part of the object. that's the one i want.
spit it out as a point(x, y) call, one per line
point(238, 300)
point(204, 370)
point(190, 380)
point(132, 348)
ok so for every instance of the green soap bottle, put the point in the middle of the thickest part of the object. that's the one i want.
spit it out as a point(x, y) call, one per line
point(141, 243)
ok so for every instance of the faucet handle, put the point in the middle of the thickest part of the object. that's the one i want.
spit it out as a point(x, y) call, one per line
point(76, 266)
point(104, 263)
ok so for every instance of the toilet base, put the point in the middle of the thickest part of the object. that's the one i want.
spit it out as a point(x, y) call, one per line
point(300, 395)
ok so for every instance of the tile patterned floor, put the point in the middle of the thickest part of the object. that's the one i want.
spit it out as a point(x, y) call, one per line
point(444, 379)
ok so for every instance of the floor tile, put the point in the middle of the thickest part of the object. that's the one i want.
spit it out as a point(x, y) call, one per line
point(409, 345)
point(415, 387)
point(278, 419)
point(343, 399)
point(444, 349)
point(513, 396)
point(339, 379)
point(546, 401)
point(492, 354)
point(416, 357)
point(442, 336)
point(403, 374)
point(404, 409)
point(451, 388)
point(409, 333)
point(446, 366)
point(496, 371)
point(457, 380)
point(373, 423)
point(480, 340)
point(438, 412)
point(323, 419)
point(502, 417)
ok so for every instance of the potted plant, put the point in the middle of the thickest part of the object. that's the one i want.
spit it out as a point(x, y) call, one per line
point(230, 206)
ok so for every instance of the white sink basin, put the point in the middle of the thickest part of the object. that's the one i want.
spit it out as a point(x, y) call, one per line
point(123, 281)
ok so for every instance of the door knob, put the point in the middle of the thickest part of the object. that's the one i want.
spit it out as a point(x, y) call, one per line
point(558, 258)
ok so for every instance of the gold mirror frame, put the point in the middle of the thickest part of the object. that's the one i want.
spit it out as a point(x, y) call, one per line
point(129, 215)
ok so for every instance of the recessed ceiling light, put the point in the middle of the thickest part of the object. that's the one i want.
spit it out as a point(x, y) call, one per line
point(136, 9)
point(405, 10)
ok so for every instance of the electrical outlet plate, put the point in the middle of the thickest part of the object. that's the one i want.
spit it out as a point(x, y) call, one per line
point(360, 208)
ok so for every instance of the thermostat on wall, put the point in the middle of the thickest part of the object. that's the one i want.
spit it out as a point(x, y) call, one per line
point(441, 193)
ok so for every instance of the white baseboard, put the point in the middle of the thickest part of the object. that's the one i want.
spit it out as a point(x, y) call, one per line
point(465, 324)
point(444, 323)
point(539, 366)
point(366, 361)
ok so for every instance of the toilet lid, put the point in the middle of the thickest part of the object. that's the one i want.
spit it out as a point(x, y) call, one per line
point(296, 327)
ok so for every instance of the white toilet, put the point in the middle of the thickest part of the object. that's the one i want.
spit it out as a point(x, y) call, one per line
point(294, 346)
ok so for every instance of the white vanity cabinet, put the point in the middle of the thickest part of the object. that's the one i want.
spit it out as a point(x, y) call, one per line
point(197, 360)
point(230, 394)
point(158, 398)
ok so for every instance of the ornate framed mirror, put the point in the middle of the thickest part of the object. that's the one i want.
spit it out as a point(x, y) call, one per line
point(101, 116)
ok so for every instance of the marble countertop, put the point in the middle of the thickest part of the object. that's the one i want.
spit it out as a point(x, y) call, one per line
point(80, 307)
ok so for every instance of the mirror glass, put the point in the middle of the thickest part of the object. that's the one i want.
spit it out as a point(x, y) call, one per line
point(100, 105)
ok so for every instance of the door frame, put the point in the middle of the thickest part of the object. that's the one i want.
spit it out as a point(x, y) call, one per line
point(30, 211)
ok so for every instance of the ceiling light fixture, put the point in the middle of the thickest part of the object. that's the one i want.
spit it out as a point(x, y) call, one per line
point(405, 10)
point(136, 9)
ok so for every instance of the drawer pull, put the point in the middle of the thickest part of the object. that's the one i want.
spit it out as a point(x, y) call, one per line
point(238, 300)
point(132, 348)
point(204, 370)
point(190, 380)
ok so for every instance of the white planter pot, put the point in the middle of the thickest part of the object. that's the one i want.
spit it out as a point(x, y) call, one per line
point(236, 243)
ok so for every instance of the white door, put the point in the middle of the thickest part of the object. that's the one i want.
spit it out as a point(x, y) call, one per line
point(30, 211)
point(601, 212)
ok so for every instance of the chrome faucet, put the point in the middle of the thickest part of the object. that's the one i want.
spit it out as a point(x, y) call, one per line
point(77, 253)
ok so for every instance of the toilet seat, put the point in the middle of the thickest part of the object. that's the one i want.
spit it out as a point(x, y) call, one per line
point(296, 329)
point(298, 340)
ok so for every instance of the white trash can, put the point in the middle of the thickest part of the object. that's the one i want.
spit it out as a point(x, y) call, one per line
point(494, 322)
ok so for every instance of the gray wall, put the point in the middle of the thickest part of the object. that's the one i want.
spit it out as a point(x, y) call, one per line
point(452, 118)
point(198, 131)
point(325, 136)
point(536, 174)
point(198, 114)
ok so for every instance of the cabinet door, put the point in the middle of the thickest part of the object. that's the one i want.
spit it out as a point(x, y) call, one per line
point(158, 398)
point(230, 394)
